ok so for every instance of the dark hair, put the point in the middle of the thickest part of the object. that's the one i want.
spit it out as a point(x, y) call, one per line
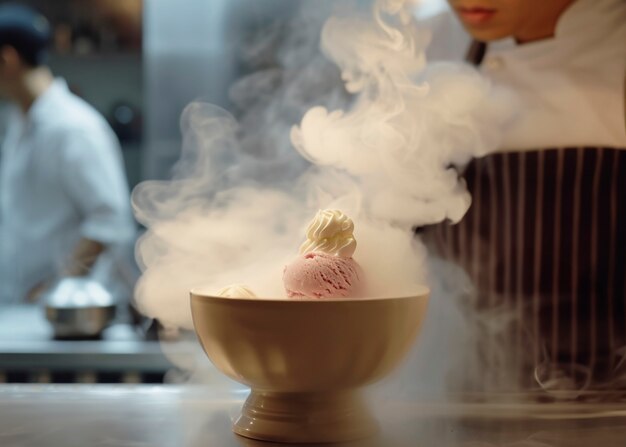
point(25, 30)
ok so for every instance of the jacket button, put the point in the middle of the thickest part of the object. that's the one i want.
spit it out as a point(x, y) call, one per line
point(494, 63)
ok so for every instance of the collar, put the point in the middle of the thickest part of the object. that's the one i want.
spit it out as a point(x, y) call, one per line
point(45, 104)
point(590, 16)
point(583, 21)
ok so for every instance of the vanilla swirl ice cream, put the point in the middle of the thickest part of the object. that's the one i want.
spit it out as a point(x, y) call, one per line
point(330, 232)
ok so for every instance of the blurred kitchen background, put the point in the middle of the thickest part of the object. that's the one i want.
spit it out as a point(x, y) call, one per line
point(138, 63)
point(97, 48)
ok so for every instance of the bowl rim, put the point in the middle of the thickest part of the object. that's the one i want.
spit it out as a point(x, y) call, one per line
point(420, 292)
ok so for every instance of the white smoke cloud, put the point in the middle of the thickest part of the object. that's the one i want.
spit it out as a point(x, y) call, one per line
point(385, 156)
point(410, 124)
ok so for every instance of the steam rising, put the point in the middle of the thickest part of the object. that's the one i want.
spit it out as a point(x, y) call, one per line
point(233, 214)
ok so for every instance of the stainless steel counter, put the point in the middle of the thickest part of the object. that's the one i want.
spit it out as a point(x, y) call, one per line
point(155, 416)
point(27, 345)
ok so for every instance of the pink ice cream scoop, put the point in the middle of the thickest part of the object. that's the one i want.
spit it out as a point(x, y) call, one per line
point(321, 275)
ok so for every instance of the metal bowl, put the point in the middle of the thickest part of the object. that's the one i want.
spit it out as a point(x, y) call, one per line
point(79, 307)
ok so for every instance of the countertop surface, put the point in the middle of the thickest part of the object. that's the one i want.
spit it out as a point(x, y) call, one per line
point(181, 416)
point(27, 343)
point(28, 324)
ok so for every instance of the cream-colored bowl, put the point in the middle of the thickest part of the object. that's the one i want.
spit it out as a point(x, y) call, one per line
point(305, 360)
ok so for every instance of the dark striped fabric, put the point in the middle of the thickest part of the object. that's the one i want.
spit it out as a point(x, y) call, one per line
point(545, 238)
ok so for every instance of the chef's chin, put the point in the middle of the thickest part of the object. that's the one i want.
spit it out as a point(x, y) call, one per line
point(491, 29)
point(487, 34)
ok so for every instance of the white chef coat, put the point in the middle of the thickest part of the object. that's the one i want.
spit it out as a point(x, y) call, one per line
point(61, 179)
point(570, 87)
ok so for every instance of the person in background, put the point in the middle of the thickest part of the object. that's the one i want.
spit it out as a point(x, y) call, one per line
point(64, 199)
point(545, 237)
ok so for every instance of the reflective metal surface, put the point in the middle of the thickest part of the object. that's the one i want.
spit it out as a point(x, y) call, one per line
point(79, 307)
point(26, 345)
point(138, 416)
point(192, 49)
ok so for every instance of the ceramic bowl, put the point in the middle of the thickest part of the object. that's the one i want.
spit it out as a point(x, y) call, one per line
point(306, 360)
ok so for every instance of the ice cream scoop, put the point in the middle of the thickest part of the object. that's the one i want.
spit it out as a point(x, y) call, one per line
point(320, 275)
point(325, 267)
point(236, 291)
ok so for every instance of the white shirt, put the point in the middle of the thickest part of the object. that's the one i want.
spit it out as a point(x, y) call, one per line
point(571, 86)
point(61, 179)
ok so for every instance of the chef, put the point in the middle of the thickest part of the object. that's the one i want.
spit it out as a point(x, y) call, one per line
point(64, 201)
point(545, 237)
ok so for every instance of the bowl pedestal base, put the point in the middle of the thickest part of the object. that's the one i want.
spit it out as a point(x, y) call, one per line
point(317, 417)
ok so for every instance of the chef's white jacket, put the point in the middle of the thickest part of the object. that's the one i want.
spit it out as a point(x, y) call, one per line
point(61, 179)
point(570, 87)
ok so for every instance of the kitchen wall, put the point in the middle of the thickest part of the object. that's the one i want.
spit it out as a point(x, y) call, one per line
point(107, 80)
point(191, 50)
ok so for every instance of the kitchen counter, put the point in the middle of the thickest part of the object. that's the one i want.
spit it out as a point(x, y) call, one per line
point(179, 416)
point(28, 347)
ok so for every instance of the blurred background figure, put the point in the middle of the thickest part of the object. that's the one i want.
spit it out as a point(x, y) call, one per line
point(64, 203)
point(137, 65)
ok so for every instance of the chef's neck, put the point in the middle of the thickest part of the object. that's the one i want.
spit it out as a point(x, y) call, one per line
point(541, 26)
point(31, 85)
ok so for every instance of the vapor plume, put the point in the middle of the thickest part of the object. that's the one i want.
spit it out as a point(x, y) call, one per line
point(371, 128)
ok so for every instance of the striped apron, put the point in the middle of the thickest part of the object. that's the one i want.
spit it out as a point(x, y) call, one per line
point(545, 240)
